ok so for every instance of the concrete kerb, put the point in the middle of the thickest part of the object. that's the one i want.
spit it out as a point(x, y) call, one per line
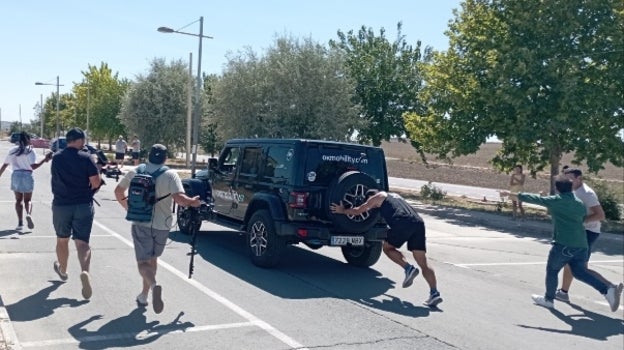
point(8, 338)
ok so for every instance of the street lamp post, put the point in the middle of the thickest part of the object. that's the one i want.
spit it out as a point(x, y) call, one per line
point(197, 109)
point(58, 101)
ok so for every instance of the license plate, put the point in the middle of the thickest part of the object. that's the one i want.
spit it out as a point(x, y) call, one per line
point(345, 240)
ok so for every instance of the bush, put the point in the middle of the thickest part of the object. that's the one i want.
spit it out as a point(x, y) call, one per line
point(607, 198)
point(432, 191)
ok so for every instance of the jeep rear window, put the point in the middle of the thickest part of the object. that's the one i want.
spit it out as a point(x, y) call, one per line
point(326, 163)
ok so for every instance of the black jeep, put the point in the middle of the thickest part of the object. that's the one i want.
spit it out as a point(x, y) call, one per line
point(279, 191)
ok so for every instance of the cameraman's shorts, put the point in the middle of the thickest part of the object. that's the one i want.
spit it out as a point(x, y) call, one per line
point(148, 242)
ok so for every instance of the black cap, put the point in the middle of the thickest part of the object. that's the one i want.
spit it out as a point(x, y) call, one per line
point(74, 134)
point(157, 154)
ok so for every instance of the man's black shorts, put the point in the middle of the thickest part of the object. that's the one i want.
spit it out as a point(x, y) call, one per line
point(119, 156)
point(135, 155)
point(412, 232)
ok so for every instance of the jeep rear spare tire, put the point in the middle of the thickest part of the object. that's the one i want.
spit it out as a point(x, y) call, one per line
point(350, 188)
point(265, 246)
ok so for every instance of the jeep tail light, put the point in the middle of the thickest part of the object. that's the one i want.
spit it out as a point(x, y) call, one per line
point(298, 200)
point(302, 232)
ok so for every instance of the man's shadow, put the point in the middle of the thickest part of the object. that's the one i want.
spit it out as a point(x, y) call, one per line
point(125, 331)
point(586, 324)
point(39, 305)
point(398, 306)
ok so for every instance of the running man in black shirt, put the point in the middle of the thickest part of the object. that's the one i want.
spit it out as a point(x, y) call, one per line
point(405, 226)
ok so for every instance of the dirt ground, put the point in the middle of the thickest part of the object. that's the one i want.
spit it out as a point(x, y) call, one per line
point(472, 170)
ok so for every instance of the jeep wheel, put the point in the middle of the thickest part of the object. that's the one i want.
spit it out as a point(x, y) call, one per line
point(351, 189)
point(364, 256)
point(184, 221)
point(265, 246)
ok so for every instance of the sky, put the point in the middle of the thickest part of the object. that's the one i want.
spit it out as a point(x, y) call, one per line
point(41, 40)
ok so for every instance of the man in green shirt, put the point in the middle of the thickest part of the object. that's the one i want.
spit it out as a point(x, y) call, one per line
point(569, 245)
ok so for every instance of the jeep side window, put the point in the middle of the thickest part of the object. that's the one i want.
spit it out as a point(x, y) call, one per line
point(278, 165)
point(251, 160)
point(228, 159)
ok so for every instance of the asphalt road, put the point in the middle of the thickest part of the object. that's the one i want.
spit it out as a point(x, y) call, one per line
point(486, 274)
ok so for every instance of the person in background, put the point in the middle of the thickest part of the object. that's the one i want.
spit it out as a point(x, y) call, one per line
point(22, 159)
point(516, 185)
point(594, 214)
point(121, 147)
point(405, 226)
point(75, 179)
point(150, 237)
point(136, 149)
point(569, 244)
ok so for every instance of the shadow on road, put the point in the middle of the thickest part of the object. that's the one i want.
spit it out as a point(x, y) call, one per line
point(587, 324)
point(5, 233)
point(126, 331)
point(38, 305)
point(302, 274)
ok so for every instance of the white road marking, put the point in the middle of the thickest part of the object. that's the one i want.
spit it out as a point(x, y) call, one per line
point(217, 297)
point(25, 235)
point(592, 262)
point(143, 335)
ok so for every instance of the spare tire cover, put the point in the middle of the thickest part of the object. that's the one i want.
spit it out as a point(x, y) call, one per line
point(350, 188)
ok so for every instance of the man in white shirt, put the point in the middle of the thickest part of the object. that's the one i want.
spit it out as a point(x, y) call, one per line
point(595, 214)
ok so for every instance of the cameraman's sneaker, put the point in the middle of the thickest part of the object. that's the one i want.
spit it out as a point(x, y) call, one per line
point(613, 296)
point(410, 273)
point(141, 300)
point(541, 301)
point(563, 296)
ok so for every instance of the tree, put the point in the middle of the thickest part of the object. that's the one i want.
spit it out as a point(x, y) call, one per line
point(155, 106)
point(387, 77)
point(545, 77)
point(299, 89)
point(99, 95)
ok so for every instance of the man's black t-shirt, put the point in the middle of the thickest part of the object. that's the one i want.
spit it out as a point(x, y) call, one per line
point(395, 210)
point(71, 170)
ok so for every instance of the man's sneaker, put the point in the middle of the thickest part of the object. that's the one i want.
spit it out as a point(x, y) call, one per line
point(86, 284)
point(19, 227)
point(157, 302)
point(410, 274)
point(561, 295)
point(541, 301)
point(141, 299)
point(30, 223)
point(613, 297)
point(434, 300)
point(57, 269)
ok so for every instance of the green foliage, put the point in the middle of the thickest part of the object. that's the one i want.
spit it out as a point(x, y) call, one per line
point(543, 76)
point(607, 197)
point(433, 192)
point(155, 106)
point(297, 90)
point(387, 77)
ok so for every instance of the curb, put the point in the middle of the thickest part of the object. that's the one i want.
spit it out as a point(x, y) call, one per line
point(8, 338)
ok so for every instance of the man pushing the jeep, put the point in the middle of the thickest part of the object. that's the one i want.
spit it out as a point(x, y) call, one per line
point(405, 226)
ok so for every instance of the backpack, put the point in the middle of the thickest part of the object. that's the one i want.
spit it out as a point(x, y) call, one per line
point(142, 194)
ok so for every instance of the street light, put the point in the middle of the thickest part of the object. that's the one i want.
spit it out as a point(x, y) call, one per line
point(197, 105)
point(58, 100)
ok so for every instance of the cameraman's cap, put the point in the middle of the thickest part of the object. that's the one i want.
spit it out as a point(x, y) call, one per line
point(157, 154)
point(74, 134)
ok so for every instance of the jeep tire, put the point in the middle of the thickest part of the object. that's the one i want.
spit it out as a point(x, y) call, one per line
point(185, 221)
point(363, 256)
point(265, 246)
point(350, 188)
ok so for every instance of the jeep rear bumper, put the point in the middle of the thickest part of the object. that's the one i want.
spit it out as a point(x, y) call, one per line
point(322, 234)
